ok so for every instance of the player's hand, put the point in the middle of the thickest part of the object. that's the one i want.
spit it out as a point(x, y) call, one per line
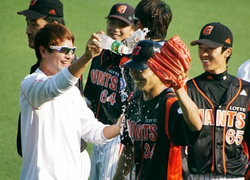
point(119, 122)
point(114, 129)
point(92, 47)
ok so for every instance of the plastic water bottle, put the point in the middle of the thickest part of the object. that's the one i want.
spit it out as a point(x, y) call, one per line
point(113, 45)
point(138, 35)
point(124, 47)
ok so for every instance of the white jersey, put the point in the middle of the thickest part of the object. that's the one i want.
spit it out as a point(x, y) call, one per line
point(243, 71)
point(54, 119)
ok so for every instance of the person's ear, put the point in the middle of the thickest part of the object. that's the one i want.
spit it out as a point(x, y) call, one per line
point(55, 22)
point(42, 50)
point(228, 52)
point(139, 24)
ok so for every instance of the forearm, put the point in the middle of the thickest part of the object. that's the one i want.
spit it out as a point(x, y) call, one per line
point(189, 109)
point(111, 131)
point(124, 163)
point(77, 68)
point(92, 50)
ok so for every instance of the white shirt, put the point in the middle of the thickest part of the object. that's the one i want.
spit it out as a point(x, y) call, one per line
point(244, 71)
point(54, 117)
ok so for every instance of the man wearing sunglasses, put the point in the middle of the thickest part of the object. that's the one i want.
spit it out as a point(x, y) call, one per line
point(39, 13)
point(54, 116)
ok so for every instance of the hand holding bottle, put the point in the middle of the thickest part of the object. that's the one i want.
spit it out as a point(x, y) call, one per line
point(107, 42)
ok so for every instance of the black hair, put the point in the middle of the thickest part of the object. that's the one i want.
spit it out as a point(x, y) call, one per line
point(51, 19)
point(225, 47)
point(155, 15)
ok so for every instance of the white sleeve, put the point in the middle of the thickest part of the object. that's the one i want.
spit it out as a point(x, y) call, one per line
point(39, 88)
point(244, 71)
point(91, 128)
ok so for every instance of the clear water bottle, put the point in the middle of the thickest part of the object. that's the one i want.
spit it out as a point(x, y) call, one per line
point(113, 45)
point(138, 35)
point(124, 47)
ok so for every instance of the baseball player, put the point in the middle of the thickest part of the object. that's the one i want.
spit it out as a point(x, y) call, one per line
point(106, 90)
point(54, 116)
point(156, 15)
point(221, 149)
point(154, 123)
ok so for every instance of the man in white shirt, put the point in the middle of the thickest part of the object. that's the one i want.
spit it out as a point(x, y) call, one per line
point(54, 116)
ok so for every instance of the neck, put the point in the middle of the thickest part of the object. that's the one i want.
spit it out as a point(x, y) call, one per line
point(158, 40)
point(152, 93)
point(218, 70)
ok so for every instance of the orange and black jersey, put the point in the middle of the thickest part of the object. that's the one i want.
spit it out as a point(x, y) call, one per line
point(106, 87)
point(223, 102)
point(151, 128)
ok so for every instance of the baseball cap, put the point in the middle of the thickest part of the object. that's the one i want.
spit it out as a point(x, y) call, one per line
point(43, 8)
point(142, 51)
point(214, 35)
point(123, 12)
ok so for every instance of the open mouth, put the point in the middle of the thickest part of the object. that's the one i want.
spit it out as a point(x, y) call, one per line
point(65, 63)
point(205, 61)
point(115, 36)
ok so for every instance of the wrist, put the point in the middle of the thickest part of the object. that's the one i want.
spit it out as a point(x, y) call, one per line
point(118, 128)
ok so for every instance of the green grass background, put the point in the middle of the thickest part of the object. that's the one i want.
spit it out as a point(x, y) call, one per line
point(84, 17)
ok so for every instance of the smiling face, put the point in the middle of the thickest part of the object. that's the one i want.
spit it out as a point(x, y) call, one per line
point(118, 29)
point(144, 80)
point(140, 79)
point(53, 62)
point(213, 59)
point(147, 82)
point(48, 47)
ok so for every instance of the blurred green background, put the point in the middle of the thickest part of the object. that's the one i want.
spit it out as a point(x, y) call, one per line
point(84, 17)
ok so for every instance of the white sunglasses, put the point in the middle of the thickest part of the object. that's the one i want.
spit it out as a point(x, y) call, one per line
point(64, 49)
